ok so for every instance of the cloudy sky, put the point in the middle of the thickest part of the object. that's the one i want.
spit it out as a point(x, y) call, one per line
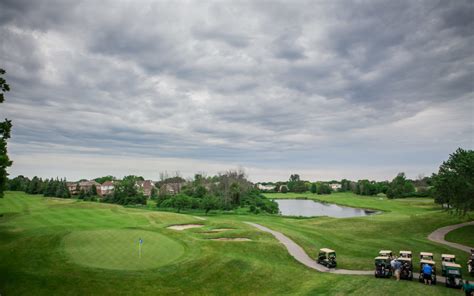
point(326, 89)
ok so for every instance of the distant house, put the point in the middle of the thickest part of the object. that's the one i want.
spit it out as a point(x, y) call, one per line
point(335, 186)
point(171, 188)
point(106, 188)
point(283, 190)
point(265, 187)
point(146, 187)
point(72, 186)
point(87, 185)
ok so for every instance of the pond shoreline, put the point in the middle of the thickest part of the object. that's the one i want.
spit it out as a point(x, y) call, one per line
point(310, 208)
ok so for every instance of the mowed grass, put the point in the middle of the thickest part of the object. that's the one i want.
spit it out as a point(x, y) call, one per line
point(120, 249)
point(35, 258)
point(463, 235)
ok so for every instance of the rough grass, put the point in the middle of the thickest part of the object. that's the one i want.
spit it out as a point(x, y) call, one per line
point(463, 235)
point(33, 230)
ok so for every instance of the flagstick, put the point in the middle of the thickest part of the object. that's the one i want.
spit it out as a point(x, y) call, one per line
point(139, 250)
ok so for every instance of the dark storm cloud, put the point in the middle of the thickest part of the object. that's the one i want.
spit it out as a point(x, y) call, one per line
point(302, 84)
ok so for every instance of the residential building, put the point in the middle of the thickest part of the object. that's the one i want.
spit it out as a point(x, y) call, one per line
point(171, 188)
point(146, 187)
point(265, 187)
point(87, 185)
point(72, 187)
point(335, 186)
point(106, 188)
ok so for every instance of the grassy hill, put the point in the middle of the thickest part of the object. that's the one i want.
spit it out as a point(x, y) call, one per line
point(55, 246)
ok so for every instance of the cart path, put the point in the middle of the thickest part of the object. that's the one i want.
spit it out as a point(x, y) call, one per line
point(300, 255)
point(439, 234)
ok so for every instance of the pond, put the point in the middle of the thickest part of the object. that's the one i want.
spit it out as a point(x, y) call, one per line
point(311, 208)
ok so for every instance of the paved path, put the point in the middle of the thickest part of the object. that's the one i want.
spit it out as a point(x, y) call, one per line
point(439, 234)
point(300, 255)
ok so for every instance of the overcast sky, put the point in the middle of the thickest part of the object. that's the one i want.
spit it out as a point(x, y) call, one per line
point(326, 89)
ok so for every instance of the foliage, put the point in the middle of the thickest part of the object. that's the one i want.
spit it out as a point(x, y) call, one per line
point(366, 187)
point(313, 188)
point(400, 187)
point(225, 191)
point(103, 179)
point(126, 192)
point(5, 129)
point(454, 183)
point(295, 184)
point(323, 188)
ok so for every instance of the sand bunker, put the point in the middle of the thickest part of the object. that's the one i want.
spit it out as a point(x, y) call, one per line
point(184, 226)
point(233, 239)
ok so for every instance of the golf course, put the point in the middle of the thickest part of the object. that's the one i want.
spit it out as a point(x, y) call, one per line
point(67, 246)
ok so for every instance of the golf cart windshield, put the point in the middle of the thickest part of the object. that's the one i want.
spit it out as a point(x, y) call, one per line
point(454, 272)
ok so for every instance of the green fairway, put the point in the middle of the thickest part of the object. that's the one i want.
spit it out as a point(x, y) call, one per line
point(119, 249)
point(463, 235)
point(56, 247)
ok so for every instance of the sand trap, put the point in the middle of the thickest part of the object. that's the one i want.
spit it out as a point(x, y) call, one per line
point(233, 239)
point(184, 226)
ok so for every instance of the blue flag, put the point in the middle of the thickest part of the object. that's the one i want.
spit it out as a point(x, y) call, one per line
point(141, 241)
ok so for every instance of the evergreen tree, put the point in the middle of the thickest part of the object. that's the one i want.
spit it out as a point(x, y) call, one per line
point(5, 129)
point(93, 191)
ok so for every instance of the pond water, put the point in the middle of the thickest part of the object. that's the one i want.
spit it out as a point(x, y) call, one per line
point(311, 208)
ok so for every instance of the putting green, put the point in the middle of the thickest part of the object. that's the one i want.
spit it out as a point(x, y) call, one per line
point(118, 249)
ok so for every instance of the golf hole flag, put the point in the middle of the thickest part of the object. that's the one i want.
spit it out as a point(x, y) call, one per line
point(140, 242)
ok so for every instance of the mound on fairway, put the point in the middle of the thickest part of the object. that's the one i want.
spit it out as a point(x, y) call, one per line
point(119, 249)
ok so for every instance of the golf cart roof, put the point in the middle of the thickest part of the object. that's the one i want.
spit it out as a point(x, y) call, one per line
point(449, 264)
point(385, 252)
point(405, 252)
point(430, 262)
point(381, 258)
point(448, 256)
point(404, 259)
point(326, 250)
point(426, 254)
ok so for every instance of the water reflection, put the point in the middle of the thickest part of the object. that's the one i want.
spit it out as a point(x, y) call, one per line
point(311, 208)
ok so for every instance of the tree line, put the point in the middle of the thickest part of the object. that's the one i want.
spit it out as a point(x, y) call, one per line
point(226, 191)
point(48, 187)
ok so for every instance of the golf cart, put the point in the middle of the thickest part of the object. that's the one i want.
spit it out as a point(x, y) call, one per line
point(327, 257)
point(405, 254)
point(470, 263)
point(452, 272)
point(433, 274)
point(448, 258)
point(382, 267)
point(426, 256)
point(386, 253)
point(406, 271)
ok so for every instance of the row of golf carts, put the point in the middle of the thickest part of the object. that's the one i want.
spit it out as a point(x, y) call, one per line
point(449, 268)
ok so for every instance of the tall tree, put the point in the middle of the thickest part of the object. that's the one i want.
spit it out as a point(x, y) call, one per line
point(454, 183)
point(400, 187)
point(5, 128)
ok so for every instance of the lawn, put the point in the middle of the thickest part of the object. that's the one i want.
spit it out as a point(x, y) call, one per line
point(463, 235)
point(53, 246)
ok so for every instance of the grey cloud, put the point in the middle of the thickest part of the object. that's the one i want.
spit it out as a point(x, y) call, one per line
point(307, 84)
